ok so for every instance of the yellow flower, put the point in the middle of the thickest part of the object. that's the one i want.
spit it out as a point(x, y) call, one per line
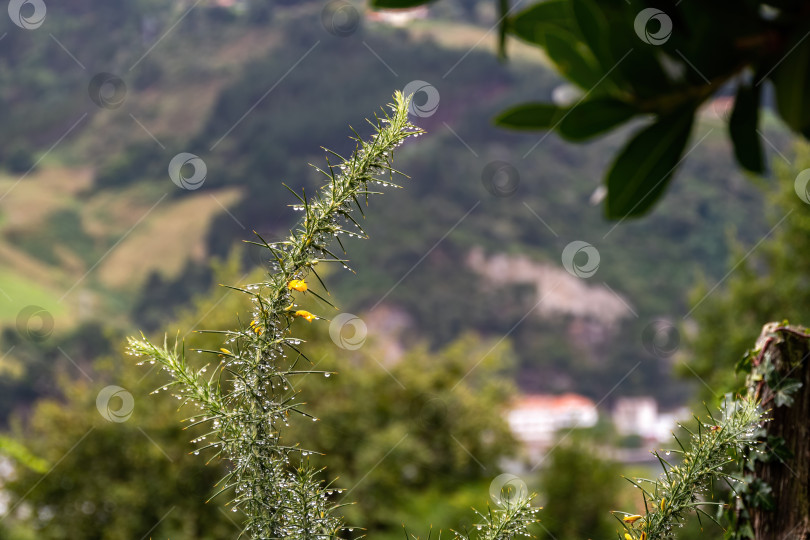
point(254, 325)
point(305, 315)
point(631, 519)
point(226, 351)
point(662, 503)
point(627, 536)
point(297, 284)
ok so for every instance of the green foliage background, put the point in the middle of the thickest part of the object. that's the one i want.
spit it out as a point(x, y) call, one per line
point(456, 317)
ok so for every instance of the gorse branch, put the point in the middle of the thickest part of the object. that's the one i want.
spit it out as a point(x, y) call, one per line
point(716, 444)
point(511, 517)
point(247, 398)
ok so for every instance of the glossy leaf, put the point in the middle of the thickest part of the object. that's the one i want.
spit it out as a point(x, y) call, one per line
point(595, 116)
point(635, 62)
point(642, 169)
point(743, 129)
point(531, 116)
point(503, 11)
point(573, 59)
point(533, 24)
point(792, 80)
point(594, 29)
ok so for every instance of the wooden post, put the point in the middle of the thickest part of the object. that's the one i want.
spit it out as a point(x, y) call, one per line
point(788, 349)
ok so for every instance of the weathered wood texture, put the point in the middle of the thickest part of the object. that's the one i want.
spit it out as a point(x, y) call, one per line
point(788, 348)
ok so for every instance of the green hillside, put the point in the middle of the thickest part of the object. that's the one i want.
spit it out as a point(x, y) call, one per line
point(98, 225)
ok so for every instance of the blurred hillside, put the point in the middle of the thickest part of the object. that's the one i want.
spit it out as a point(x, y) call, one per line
point(100, 98)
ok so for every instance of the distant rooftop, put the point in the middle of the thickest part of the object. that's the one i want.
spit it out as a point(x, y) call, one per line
point(398, 17)
point(549, 401)
point(535, 418)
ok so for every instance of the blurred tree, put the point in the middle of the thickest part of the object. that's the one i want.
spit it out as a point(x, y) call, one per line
point(161, 298)
point(441, 442)
point(19, 159)
point(771, 283)
point(579, 489)
point(112, 480)
point(430, 422)
point(33, 365)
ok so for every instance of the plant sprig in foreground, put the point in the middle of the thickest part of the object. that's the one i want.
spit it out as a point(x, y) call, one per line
point(247, 399)
point(716, 444)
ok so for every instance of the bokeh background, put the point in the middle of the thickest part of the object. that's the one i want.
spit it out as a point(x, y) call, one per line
point(142, 142)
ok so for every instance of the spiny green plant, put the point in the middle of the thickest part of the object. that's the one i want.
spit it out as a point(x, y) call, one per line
point(511, 517)
point(248, 398)
point(717, 443)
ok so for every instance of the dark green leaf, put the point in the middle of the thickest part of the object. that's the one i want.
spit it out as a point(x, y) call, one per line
point(744, 364)
point(530, 116)
point(573, 59)
point(792, 81)
point(533, 24)
point(776, 447)
point(742, 128)
point(783, 392)
point(593, 27)
point(590, 118)
point(760, 494)
point(636, 64)
point(642, 170)
point(552, 26)
point(503, 8)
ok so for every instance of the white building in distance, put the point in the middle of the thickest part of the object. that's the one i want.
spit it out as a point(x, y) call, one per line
point(640, 416)
point(534, 419)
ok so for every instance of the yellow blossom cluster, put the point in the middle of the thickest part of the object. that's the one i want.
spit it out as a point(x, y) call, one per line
point(298, 285)
point(306, 315)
